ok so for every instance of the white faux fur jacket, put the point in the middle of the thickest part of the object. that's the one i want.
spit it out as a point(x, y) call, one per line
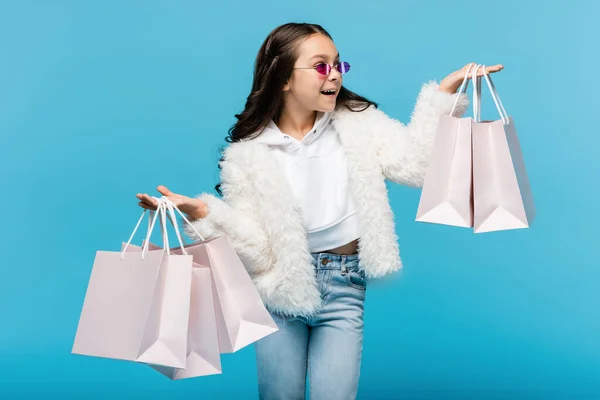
point(258, 216)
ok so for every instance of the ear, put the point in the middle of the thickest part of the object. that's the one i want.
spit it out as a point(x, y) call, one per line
point(288, 84)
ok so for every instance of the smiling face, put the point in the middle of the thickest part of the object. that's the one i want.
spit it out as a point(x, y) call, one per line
point(305, 87)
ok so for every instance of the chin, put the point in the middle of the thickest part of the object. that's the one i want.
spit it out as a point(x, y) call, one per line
point(328, 107)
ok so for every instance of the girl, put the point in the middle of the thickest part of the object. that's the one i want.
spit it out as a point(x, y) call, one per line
point(305, 206)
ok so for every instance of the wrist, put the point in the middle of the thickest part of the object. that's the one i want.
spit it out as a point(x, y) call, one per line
point(200, 211)
point(196, 209)
point(447, 89)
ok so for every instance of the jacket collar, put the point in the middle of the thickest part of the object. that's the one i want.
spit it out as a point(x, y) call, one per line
point(272, 136)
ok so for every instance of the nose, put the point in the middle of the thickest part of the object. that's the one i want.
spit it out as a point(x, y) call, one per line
point(334, 75)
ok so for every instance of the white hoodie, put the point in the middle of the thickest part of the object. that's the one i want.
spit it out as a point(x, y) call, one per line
point(317, 174)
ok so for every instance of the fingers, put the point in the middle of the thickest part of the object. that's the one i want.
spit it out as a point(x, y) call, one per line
point(147, 200)
point(146, 206)
point(489, 69)
point(494, 68)
point(163, 190)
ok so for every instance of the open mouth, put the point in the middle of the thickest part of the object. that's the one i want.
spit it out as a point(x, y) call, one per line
point(328, 92)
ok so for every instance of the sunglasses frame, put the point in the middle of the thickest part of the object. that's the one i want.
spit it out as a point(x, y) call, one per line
point(329, 67)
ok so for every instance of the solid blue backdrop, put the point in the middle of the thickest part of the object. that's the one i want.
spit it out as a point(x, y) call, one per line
point(100, 100)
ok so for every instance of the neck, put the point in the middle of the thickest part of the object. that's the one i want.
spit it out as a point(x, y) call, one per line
point(295, 121)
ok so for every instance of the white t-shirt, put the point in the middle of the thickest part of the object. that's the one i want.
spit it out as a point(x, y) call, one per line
point(317, 174)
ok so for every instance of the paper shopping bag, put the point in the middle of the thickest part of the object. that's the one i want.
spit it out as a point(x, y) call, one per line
point(447, 194)
point(241, 316)
point(136, 307)
point(203, 356)
point(446, 197)
point(502, 194)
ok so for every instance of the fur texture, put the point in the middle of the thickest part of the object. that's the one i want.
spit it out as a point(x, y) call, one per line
point(265, 228)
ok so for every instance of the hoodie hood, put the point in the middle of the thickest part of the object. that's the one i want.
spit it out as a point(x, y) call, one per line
point(273, 137)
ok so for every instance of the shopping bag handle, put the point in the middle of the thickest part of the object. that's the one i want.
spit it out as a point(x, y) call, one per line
point(152, 216)
point(164, 204)
point(163, 226)
point(151, 223)
point(476, 93)
point(172, 207)
point(495, 96)
point(161, 211)
point(463, 88)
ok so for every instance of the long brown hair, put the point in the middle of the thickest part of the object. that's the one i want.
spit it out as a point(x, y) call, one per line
point(272, 69)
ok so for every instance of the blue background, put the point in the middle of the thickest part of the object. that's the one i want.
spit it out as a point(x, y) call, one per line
point(100, 100)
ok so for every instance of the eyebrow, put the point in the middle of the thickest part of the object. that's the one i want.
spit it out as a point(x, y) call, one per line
point(324, 56)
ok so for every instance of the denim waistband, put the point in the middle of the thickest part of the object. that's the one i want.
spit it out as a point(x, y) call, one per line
point(326, 260)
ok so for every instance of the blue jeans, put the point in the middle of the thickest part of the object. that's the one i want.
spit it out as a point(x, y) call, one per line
point(327, 345)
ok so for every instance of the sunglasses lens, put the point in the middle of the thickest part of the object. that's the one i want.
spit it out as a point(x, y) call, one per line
point(323, 68)
point(343, 67)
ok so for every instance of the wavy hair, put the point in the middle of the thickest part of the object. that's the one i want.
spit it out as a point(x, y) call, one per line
point(273, 67)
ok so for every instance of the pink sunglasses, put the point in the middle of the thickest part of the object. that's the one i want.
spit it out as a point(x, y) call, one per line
point(325, 69)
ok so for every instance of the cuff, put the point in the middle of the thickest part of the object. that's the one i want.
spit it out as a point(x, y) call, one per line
point(208, 226)
point(443, 101)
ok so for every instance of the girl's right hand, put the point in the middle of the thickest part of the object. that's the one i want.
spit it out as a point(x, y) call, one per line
point(194, 208)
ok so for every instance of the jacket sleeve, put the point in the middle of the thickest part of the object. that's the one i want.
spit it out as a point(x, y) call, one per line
point(404, 151)
point(232, 217)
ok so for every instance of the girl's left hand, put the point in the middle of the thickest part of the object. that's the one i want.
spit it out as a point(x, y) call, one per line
point(452, 82)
